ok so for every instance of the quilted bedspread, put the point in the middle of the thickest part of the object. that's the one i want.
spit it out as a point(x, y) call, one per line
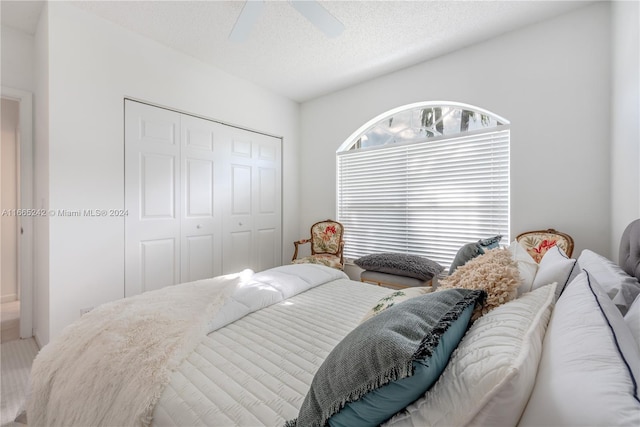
point(257, 370)
point(113, 365)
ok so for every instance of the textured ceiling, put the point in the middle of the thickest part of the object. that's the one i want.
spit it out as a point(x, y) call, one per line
point(287, 54)
point(22, 15)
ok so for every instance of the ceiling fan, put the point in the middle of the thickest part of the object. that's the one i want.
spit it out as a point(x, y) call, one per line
point(310, 9)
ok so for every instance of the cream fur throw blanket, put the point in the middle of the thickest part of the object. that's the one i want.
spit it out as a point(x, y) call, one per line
point(495, 272)
point(111, 367)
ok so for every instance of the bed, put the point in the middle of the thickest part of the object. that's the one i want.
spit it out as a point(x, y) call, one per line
point(258, 349)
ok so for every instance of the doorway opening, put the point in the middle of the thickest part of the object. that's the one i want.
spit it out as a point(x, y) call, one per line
point(9, 170)
point(16, 222)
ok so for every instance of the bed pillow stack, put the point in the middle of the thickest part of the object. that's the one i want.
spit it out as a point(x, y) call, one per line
point(589, 371)
point(554, 267)
point(492, 372)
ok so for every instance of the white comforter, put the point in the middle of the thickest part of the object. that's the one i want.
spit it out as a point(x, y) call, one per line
point(257, 370)
point(271, 286)
point(111, 366)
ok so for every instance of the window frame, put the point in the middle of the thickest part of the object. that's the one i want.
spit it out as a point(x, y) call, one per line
point(499, 131)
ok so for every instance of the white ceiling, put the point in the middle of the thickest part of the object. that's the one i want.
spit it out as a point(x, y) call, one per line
point(287, 54)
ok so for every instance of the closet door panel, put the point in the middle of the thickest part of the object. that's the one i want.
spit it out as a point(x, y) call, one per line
point(157, 186)
point(201, 217)
point(155, 126)
point(267, 241)
point(267, 196)
point(267, 191)
point(241, 143)
point(152, 195)
point(238, 251)
point(198, 133)
point(241, 189)
point(238, 207)
point(158, 263)
point(238, 219)
point(199, 188)
point(200, 251)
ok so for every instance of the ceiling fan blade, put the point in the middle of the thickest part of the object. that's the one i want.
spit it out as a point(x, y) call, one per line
point(251, 11)
point(319, 16)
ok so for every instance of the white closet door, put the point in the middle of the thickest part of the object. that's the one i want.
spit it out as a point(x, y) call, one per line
point(238, 235)
point(252, 236)
point(204, 199)
point(267, 213)
point(200, 222)
point(152, 198)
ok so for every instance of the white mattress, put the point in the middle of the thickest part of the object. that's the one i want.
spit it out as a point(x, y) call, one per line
point(257, 370)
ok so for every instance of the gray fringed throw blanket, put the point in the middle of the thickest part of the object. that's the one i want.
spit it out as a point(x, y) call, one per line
point(381, 350)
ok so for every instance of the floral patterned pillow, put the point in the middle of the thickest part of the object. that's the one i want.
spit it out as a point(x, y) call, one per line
point(395, 298)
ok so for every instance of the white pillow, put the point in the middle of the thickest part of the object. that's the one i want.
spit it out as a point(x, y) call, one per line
point(588, 365)
point(491, 374)
point(621, 288)
point(555, 266)
point(527, 266)
point(632, 319)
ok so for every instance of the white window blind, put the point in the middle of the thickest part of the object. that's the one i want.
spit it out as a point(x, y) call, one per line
point(425, 198)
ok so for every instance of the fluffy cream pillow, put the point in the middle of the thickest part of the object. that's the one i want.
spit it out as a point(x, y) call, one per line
point(495, 272)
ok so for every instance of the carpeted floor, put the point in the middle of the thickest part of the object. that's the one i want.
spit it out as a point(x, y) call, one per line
point(16, 358)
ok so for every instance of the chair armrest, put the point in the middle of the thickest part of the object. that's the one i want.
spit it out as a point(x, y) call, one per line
point(299, 242)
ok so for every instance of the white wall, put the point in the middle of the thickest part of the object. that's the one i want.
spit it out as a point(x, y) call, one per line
point(551, 80)
point(93, 65)
point(625, 119)
point(17, 59)
point(41, 289)
point(9, 200)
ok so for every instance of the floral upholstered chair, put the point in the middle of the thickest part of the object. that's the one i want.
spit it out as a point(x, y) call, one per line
point(537, 243)
point(326, 245)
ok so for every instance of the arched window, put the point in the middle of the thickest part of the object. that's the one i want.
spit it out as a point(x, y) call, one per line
point(424, 179)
